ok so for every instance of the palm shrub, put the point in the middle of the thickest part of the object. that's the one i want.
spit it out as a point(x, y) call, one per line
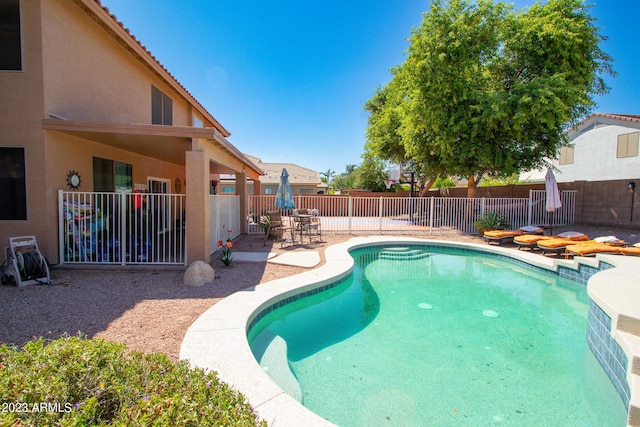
point(74, 381)
point(491, 220)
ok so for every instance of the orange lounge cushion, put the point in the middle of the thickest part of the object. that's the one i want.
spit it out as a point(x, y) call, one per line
point(631, 250)
point(530, 238)
point(590, 249)
point(558, 242)
point(498, 234)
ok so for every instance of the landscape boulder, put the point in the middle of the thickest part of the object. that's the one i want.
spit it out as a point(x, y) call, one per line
point(198, 273)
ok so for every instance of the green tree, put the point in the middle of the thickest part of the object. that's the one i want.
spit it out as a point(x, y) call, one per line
point(326, 176)
point(371, 174)
point(486, 90)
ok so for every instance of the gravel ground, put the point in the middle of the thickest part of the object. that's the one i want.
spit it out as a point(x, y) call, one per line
point(149, 309)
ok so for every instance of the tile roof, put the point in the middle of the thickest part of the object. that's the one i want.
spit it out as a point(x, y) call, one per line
point(297, 174)
point(625, 117)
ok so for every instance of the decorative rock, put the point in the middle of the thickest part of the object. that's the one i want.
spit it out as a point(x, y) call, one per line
point(198, 273)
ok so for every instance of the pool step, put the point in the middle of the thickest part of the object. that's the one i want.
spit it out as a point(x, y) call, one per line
point(275, 363)
point(403, 254)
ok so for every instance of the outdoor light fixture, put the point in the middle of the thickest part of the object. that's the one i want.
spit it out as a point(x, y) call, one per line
point(632, 186)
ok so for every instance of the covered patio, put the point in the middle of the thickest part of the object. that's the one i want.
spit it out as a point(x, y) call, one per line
point(185, 157)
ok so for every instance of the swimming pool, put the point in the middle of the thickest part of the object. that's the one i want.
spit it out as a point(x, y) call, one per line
point(217, 340)
point(450, 336)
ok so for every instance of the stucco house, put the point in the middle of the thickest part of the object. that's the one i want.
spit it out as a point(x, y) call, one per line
point(603, 147)
point(86, 108)
point(302, 180)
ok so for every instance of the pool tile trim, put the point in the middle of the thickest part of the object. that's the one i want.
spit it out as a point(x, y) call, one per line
point(217, 340)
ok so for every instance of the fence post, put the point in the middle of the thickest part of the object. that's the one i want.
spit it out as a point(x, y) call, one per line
point(431, 212)
point(350, 212)
point(61, 230)
point(123, 227)
point(530, 209)
point(380, 215)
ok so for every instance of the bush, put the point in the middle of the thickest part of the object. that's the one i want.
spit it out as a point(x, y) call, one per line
point(77, 382)
point(491, 220)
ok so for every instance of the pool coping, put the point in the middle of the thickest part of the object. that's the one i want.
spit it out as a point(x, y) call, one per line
point(217, 340)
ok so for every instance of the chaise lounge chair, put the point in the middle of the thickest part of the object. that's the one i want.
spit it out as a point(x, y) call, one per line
point(531, 241)
point(607, 247)
point(504, 236)
point(591, 249)
point(630, 250)
point(558, 245)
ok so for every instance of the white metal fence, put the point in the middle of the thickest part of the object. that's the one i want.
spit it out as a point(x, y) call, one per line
point(133, 228)
point(121, 228)
point(421, 215)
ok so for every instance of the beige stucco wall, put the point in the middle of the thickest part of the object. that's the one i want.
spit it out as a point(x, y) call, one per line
point(21, 108)
point(91, 76)
point(76, 68)
point(57, 78)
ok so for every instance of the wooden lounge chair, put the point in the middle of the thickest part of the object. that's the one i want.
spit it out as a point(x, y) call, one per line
point(504, 236)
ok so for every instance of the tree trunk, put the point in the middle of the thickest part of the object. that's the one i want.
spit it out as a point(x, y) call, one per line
point(471, 187)
point(426, 185)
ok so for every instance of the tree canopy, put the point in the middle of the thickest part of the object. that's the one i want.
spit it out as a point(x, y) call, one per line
point(488, 90)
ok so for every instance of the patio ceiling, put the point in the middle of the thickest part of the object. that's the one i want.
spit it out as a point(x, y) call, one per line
point(167, 143)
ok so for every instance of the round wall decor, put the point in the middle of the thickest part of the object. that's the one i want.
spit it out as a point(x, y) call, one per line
point(177, 185)
point(73, 180)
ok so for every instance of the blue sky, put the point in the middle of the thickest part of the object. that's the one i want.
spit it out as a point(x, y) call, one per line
point(289, 78)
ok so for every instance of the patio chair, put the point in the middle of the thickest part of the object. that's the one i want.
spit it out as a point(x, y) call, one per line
point(276, 226)
point(306, 224)
point(505, 236)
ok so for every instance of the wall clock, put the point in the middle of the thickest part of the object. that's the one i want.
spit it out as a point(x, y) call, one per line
point(73, 180)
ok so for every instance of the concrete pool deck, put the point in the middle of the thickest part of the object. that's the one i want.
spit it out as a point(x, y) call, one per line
point(217, 340)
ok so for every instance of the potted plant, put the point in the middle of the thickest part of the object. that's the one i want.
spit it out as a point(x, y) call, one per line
point(265, 222)
point(491, 220)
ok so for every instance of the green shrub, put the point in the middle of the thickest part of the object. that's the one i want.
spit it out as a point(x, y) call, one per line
point(491, 220)
point(78, 382)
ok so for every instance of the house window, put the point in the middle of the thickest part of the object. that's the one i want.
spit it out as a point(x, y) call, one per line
point(13, 188)
point(628, 145)
point(161, 108)
point(109, 176)
point(228, 190)
point(10, 43)
point(566, 155)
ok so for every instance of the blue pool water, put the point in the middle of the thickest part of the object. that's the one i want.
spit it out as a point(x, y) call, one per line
point(426, 336)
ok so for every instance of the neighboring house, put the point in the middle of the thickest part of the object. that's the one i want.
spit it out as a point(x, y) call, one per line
point(86, 106)
point(603, 147)
point(302, 180)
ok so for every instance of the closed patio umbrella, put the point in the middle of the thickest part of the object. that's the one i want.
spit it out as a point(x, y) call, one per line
point(284, 196)
point(553, 195)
